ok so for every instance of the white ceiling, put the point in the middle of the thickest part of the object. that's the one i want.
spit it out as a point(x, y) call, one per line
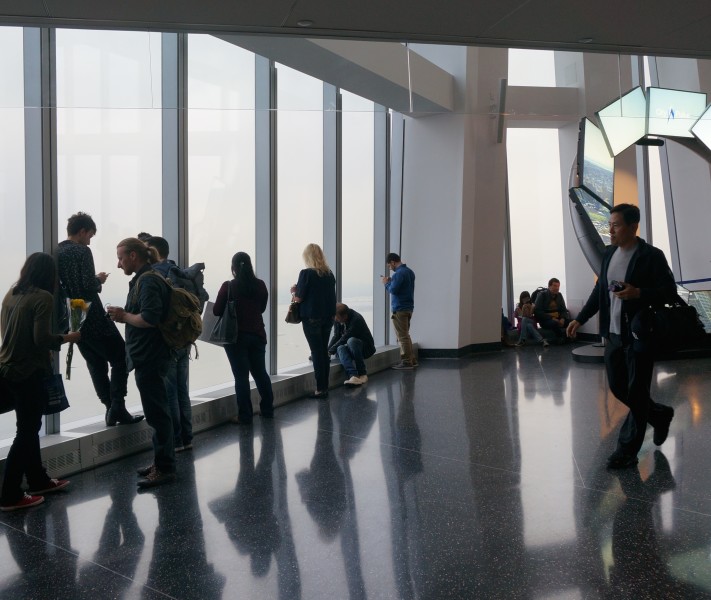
point(661, 27)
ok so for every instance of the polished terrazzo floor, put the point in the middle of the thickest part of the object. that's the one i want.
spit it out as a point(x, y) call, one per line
point(475, 478)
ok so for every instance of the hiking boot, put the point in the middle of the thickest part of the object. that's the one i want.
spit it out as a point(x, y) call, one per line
point(25, 502)
point(156, 478)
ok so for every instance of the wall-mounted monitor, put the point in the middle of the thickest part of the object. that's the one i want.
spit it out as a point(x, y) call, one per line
point(595, 163)
point(591, 223)
point(624, 121)
point(672, 113)
point(702, 128)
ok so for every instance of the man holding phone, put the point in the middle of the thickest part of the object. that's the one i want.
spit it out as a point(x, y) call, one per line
point(633, 276)
point(401, 285)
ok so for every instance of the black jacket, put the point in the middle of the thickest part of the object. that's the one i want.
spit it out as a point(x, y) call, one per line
point(648, 270)
point(355, 327)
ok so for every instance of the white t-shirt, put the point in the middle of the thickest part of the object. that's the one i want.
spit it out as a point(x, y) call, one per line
point(617, 271)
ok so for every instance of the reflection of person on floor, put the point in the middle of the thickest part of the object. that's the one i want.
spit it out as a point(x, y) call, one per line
point(179, 566)
point(120, 543)
point(255, 517)
point(639, 570)
point(46, 567)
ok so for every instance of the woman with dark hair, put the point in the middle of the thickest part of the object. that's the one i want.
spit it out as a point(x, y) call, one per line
point(247, 354)
point(316, 291)
point(526, 321)
point(25, 321)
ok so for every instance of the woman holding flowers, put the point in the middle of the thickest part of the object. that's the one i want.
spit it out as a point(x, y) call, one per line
point(25, 322)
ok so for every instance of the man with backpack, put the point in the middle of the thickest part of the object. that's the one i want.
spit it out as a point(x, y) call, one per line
point(176, 381)
point(550, 310)
point(147, 353)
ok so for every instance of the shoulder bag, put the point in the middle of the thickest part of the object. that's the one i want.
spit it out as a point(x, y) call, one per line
point(293, 315)
point(225, 330)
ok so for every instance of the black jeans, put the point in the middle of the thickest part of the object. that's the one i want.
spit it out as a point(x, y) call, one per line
point(150, 380)
point(247, 356)
point(629, 375)
point(24, 457)
point(317, 332)
point(99, 353)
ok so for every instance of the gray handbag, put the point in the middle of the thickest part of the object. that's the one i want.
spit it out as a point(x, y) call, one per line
point(225, 329)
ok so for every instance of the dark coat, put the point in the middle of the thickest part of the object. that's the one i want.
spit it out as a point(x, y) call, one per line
point(355, 327)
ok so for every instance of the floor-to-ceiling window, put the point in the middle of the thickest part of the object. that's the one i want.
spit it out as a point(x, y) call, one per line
point(535, 206)
point(12, 171)
point(108, 158)
point(358, 191)
point(299, 194)
point(221, 174)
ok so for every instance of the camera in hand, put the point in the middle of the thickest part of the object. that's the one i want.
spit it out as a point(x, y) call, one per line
point(616, 286)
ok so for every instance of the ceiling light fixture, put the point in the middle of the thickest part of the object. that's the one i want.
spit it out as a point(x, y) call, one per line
point(305, 23)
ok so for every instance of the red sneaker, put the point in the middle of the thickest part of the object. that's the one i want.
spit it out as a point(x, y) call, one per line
point(25, 502)
point(54, 485)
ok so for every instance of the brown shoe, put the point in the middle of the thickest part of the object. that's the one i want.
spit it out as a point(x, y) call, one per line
point(156, 478)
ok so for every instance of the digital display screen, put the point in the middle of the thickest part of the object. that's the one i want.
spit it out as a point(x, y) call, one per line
point(702, 128)
point(595, 163)
point(624, 121)
point(598, 213)
point(672, 113)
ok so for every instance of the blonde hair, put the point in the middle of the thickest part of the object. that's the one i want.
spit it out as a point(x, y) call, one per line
point(314, 259)
point(143, 250)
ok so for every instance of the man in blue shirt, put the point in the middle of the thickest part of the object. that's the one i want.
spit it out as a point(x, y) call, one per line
point(401, 286)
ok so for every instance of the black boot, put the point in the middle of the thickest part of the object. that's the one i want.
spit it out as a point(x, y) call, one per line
point(118, 415)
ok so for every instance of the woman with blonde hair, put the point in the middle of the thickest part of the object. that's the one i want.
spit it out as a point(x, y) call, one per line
point(316, 292)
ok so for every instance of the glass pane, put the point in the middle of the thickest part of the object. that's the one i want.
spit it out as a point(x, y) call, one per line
point(531, 67)
point(221, 167)
point(108, 160)
point(358, 199)
point(535, 208)
point(12, 172)
point(299, 194)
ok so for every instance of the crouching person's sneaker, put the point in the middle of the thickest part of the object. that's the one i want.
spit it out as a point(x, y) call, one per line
point(353, 381)
point(53, 485)
point(25, 502)
point(155, 478)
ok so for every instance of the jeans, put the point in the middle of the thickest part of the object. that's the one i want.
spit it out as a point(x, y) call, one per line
point(99, 353)
point(176, 386)
point(150, 380)
point(247, 356)
point(401, 322)
point(629, 375)
point(24, 457)
point(528, 329)
point(317, 332)
point(351, 356)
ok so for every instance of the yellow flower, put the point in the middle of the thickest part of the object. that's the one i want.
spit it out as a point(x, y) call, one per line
point(79, 303)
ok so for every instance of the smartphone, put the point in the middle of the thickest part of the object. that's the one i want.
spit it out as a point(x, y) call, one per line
point(616, 286)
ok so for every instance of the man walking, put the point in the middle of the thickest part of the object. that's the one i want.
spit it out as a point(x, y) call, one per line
point(353, 343)
point(101, 343)
point(401, 285)
point(146, 352)
point(633, 276)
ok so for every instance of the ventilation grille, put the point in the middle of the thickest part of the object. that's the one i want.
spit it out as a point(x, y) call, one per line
point(121, 444)
point(64, 463)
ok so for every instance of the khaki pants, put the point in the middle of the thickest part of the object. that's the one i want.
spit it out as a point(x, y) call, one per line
point(401, 322)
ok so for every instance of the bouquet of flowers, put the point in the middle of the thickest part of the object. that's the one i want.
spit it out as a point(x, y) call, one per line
point(78, 310)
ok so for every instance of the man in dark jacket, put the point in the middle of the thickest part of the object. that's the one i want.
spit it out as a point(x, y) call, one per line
point(634, 275)
point(353, 343)
point(550, 310)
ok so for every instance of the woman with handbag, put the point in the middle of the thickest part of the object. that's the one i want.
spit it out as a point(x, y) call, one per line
point(25, 321)
point(315, 291)
point(249, 296)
